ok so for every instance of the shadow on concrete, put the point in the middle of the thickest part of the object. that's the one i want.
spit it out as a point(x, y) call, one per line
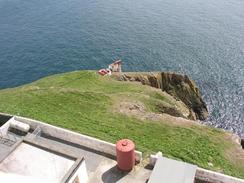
point(200, 181)
point(113, 175)
point(148, 167)
point(77, 146)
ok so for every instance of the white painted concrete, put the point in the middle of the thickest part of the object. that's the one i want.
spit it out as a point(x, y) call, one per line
point(16, 178)
point(28, 160)
point(74, 137)
point(4, 128)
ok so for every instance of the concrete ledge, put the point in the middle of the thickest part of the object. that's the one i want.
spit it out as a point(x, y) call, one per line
point(204, 175)
point(49, 148)
point(215, 177)
point(67, 135)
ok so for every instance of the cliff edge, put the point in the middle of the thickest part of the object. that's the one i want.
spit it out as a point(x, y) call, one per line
point(177, 85)
point(108, 109)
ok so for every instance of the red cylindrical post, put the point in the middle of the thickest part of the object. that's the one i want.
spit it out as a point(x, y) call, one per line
point(125, 150)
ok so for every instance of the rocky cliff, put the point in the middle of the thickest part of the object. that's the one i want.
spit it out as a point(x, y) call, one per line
point(179, 86)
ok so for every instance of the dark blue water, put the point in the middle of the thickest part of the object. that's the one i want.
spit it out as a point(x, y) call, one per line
point(201, 38)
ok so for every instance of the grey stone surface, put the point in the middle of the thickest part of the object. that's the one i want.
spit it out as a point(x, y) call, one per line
point(172, 171)
point(32, 161)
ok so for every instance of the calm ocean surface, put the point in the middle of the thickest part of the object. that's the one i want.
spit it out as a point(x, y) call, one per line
point(201, 38)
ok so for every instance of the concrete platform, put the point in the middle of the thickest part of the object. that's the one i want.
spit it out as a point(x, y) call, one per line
point(101, 168)
point(165, 169)
point(107, 172)
point(28, 160)
point(8, 144)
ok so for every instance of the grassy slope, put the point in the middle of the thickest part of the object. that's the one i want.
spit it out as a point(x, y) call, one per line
point(80, 101)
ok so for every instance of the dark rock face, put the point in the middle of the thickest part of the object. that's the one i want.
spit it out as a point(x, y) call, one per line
point(242, 143)
point(169, 110)
point(177, 85)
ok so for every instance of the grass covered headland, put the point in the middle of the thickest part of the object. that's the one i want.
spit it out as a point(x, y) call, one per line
point(108, 109)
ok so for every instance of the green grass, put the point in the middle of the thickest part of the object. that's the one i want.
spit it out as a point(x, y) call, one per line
point(81, 101)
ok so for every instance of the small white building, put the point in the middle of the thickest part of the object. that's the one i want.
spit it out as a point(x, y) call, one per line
point(116, 66)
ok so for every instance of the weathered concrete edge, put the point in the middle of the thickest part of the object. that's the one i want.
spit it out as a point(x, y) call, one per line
point(215, 177)
point(12, 150)
point(67, 135)
point(49, 148)
point(206, 175)
point(72, 170)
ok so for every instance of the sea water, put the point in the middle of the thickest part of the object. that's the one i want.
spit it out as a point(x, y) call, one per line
point(201, 38)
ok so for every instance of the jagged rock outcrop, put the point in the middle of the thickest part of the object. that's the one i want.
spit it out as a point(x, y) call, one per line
point(242, 142)
point(177, 85)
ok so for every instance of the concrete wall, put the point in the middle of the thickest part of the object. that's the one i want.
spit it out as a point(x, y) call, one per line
point(214, 177)
point(4, 128)
point(67, 135)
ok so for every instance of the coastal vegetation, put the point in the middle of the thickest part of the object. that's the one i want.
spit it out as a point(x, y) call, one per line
point(108, 109)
